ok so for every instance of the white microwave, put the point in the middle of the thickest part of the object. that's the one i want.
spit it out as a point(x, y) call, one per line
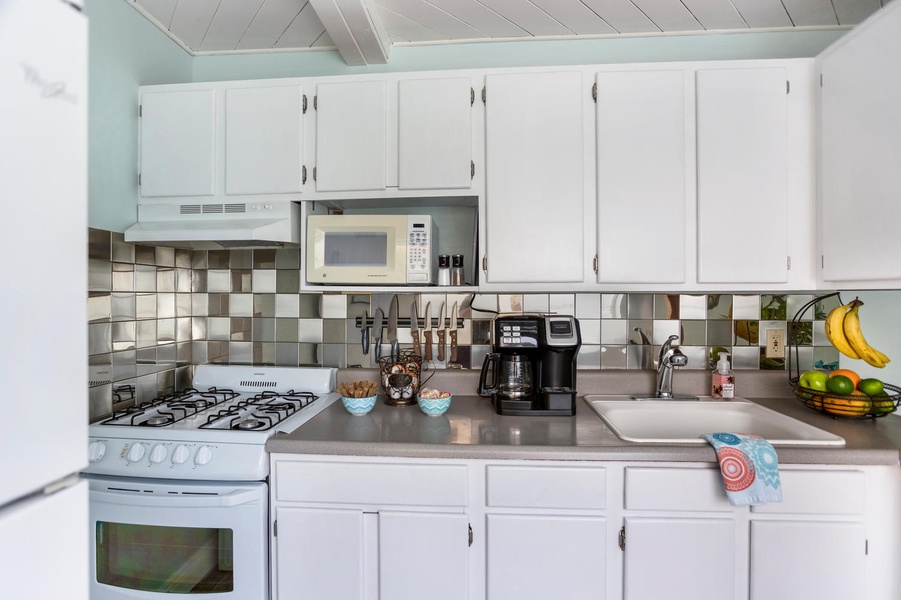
point(371, 250)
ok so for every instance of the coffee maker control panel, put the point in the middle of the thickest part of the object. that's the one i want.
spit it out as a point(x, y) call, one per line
point(561, 331)
point(518, 334)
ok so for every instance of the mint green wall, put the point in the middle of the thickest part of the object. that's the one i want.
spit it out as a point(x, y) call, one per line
point(124, 50)
point(523, 53)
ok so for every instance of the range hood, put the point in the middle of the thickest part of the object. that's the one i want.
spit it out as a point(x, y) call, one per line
point(216, 226)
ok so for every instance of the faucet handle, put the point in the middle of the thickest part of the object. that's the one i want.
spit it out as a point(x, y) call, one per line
point(665, 348)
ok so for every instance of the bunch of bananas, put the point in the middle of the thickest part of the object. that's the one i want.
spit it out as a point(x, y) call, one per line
point(843, 330)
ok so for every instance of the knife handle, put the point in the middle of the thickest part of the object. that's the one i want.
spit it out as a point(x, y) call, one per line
point(417, 348)
point(441, 339)
point(453, 342)
point(427, 336)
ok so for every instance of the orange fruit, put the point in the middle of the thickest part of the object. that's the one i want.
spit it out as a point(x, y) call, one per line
point(854, 377)
point(848, 407)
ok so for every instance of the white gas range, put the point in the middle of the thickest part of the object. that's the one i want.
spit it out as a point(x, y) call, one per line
point(179, 494)
point(215, 431)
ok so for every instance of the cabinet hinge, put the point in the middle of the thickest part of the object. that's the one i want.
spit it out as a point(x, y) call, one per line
point(140, 110)
point(472, 169)
point(315, 102)
point(275, 528)
point(622, 538)
point(788, 87)
point(314, 173)
point(594, 263)
point(303, 178)
point(788, 262)
point(594, 92)
point(822, 261)
point(484, 96)
point(821, 80)
point(866, 547)
point(139, 180)
point(304, 104)
point(485, 263)
point(472, 96)
point(470, 535)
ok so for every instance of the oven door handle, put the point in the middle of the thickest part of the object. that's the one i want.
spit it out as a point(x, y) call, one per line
point(182, 499)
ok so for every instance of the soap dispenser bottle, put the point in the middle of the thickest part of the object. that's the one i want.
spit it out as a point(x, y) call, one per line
point(723, 379)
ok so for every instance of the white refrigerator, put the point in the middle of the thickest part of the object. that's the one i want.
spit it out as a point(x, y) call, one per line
point(43, 295)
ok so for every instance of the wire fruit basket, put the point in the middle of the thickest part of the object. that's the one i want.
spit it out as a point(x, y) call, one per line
point(838, 406)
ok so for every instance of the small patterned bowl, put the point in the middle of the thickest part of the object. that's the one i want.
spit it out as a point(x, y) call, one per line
point(434, 406)
point(359, 406)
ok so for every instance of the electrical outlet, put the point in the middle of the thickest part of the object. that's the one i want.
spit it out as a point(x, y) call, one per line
point(775, 343)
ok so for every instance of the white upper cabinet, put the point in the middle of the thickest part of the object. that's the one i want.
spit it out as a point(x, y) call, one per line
point(859, 154)
point(434, 145)
point(641, 176)
point(178, 143)
point(535, 182)
point(393, 137)
point(264, 140)
point(351, 135)
point(743, 221)
point(222, 142)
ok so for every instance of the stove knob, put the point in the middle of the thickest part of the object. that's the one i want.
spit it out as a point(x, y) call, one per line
point(96, 450)
point(158, 454)
point(180, 455)
point(135, 453)
point(204, 455)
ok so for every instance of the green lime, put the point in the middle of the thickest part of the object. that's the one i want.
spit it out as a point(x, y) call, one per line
point(870, 387)
point(839, 384)
point(882, 404)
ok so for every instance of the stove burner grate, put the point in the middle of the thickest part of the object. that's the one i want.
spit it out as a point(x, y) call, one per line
point(262, 411)
point(169, 409)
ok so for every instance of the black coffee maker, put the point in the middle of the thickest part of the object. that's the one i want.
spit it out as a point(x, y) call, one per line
point(531, 370)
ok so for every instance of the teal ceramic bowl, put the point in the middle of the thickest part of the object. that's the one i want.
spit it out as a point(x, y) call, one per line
point(434, 406)
point(359, 406)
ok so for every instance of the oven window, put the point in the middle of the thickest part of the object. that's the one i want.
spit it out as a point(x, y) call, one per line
point(345, 249)
point(174, 560)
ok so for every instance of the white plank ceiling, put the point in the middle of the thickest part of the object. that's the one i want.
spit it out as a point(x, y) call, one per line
point(365, 30)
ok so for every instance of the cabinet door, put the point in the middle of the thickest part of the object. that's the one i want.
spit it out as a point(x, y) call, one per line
point(351, 136)
point(178, 140)
point(539, 557)
point(793, 559)
point(534, 178)
point(423, 555)
point(742, 176)
point(319, 554)
point(434, 133)
point(859, 153)
point(264, 140)
point(679, 559)
point(641, 177)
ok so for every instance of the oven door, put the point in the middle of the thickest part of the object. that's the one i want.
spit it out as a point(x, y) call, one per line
point(164, 539)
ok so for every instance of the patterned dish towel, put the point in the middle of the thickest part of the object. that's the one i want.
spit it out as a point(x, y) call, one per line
point(749, 467)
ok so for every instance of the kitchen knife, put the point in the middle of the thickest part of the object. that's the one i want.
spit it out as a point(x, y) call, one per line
point(453, 335)
point(427, 333)
point(392, 328)
point(414, 329)
point(377, 326)
point(441, 333)
point(365, 337)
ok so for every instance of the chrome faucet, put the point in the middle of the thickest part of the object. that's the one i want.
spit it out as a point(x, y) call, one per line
point(669, 357)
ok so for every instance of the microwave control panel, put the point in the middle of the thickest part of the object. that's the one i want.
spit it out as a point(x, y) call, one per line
point(421, 250)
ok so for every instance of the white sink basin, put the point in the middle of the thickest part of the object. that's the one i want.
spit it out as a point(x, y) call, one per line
point(682, 422)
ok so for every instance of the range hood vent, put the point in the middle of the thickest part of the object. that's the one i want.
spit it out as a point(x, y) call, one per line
point(218, 225)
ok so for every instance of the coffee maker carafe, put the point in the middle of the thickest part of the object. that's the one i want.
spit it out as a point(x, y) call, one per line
point(532, 367)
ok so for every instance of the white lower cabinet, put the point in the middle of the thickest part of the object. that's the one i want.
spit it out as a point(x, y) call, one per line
point(354, 528)
point(535, 557)
point(808, 559)
point(676, 558)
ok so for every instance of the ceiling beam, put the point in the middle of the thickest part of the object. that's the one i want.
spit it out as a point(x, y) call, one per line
point(356, 29)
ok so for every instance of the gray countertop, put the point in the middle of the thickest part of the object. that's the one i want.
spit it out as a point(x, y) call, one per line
point(472, 430)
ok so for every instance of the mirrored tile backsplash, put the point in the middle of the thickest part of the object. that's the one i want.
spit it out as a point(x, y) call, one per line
point(153, 312)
